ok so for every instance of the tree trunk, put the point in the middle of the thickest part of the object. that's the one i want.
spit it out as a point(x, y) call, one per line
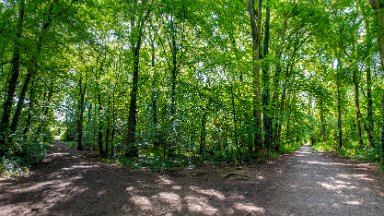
point(255, 21)
point(266, 97)
point(31, 69)
point(235, 122)
point(132, 150)
point(100, 130)
point(15, 71)
point(322, 121)
point(81, 105)
point(155, 94)
point(370, 124)
point(357, 106)
point(203, 132)
point(339, 117)
point(108, 129)
point(378, 7)
point(174, 71)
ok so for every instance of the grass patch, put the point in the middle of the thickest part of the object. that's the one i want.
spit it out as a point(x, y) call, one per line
point(351, 150)
point(288, 148)
point(324, 147)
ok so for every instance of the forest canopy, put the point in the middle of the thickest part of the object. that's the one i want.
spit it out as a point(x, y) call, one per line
point(192, 79)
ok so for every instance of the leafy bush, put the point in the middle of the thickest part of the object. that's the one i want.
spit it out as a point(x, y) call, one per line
point(11, 167)
point(351, 150)
point(289, 147)
point(324, 147)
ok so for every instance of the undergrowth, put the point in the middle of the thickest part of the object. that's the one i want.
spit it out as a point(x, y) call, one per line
point(351, 150)
point(151, 163)
point(288, 148)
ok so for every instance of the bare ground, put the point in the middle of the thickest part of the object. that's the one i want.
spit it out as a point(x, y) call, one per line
point(304, 183)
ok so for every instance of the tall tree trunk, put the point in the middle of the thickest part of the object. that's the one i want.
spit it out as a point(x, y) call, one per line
point(370, 124)
point(203, 132)
point(108, 129)
point(31, 68)
point(155, 95)
point(255, 20)
point(357, 107)
point(339, 115)
point(378, 7)
point(80, 120)
point(132, 150)
point(12, 83)
point(100, 123)
point(235, 122)
point(266, 97)
point(174, 72)
point(322, 120)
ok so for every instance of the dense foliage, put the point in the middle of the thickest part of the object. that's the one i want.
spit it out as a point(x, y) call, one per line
point(194, 79)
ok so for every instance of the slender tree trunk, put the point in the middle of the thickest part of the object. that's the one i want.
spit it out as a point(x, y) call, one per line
point(322, 121)
point(31, 69)
point(80, 121)
point(21, 99)
point(100, 130)
point(378, 7)
point(108, 129)
point(174, 72)
point(203, 132)
point(370, 124)
point(339, 115)
point(235, 123)
point(266, 94)
point(357, 107)
point(132, 148)
point(155, 95)
point(255, 20)
point(12, 83)
point(382, 133)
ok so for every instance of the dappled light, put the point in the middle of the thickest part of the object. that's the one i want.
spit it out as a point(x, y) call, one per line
point(249, 207)
point(210, 192)
point(287, 185)
point(185, 107)
point(142, 202)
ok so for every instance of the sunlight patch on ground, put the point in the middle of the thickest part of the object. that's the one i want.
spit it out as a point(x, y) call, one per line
point(171, 198)
point(142, 202)
point(337, 185)
point(353, 202)
point(100, 193)
point(356, 176)
point(163, 180)
point(249, 207)
point(200, 205)
point(260, 177)
point(210, 192)
point(80, 167)
point(176, 187)
point(58, 154)
point(131, 190)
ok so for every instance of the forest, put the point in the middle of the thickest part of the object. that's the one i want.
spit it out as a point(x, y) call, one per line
point(183, 81)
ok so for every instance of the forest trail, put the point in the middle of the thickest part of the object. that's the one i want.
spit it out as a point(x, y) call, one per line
point(304, 183)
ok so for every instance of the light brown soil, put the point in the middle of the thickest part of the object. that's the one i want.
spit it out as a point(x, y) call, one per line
point(304, 183)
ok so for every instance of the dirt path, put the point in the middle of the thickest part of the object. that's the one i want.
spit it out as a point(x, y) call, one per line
point(305, 183)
